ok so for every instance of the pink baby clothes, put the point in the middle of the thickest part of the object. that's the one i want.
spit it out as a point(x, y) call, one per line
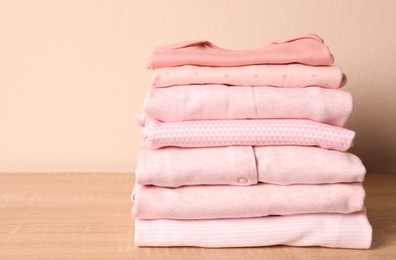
point(288, 76)
point(306, 49)
point(266, 132)
point(174, 166)
point(223, 201)
point(327, 230)
point(246, 165)
point(208, 102)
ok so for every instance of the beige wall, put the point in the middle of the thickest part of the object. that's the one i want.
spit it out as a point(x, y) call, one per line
point(72, 73)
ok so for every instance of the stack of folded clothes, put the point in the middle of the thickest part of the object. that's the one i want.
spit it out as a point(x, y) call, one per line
point(247, 148)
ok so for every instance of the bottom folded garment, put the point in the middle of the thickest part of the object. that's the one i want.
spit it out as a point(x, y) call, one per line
point(327, 230)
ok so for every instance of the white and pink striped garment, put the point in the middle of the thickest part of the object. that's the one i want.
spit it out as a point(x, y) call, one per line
point(327, 230)
point(287, 76)
point(246, 165)
point(222, 201)
point(265, 132)
point(219, 102)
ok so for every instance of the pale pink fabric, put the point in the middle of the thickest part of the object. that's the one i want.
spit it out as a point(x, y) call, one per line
point(223, 201)
point(209, 102)
point(246, 165)
point(307, 49)
point(327, 230)
point(266, 132)
point(288, 76)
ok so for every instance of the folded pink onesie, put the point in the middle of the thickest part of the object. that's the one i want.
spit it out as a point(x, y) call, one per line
point(288, 76)
point(328, 230)
point(208, 102)
point(246, 165)
point(265, 132)
point(307, 49)
point(224, 201)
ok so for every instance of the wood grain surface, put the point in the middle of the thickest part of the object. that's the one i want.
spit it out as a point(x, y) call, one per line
point(87, 216)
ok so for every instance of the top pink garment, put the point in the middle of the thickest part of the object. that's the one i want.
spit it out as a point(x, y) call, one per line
point(307, 49)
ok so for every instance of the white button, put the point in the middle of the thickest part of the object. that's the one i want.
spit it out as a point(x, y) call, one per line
point(242, 180)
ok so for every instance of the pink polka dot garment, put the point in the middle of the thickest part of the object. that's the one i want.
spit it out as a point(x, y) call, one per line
point(213, 133)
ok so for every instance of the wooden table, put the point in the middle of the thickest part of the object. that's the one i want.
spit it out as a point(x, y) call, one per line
point(87, 215)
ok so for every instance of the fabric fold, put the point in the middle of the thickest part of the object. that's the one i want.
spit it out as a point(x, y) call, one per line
point(306, 49)
point(221, 201)
point(287, 76)
point(246, 165)
point(219, 102)
point(266, 132)
point(326, 230)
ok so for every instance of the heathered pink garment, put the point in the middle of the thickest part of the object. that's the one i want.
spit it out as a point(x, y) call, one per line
point(327, 230)
point(265, 132)
point(246, 165)
point(287, 76)
point(224, 201)
point(306, 49)
point(217, 102)
point(173, 166)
